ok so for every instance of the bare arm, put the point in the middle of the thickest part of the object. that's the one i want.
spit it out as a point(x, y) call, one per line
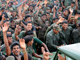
point(36, 55)
point(54, 12)
point(23, 46)
point(69, 18)
point(24, 26)
point(76, 5)
point(7, 3)
point(16, 30)
point(25, 8)
point(2, 20)
point(16, 33)
point(8, 50)
point(45, 54)
point(45, 47)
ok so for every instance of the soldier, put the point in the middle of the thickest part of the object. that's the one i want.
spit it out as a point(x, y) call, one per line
point(67, 30)
point(74, 5)
point(42, 27)
point(76, 34)
point(49, 18)
point(55, 38)
point(65, 3)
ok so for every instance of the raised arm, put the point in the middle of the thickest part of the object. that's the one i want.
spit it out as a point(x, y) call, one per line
point(23, 46)
point(3, 18)
point(7, 3)
point(54, 12)
point(8, 50)
point(76, 5)
point(45, 54)
point(69, 18)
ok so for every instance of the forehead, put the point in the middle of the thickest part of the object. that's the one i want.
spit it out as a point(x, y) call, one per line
point(7, 22)
point(65, 11)
point(29, 23)
point(44, 16)
point(16, 46)
point(65, 23)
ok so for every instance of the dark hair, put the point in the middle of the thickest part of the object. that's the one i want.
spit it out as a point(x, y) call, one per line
point(27, 16)
point(65, 10)
point(2, 8)
point(10, 31)
point(8, 35)
point(60, 5)
point(76, 12)
point(5, 21)
point(39, 0)
point(28, 22)
point(30, 5)
point(72, 2)
point(6, 16)
point(28, 38)
point(65, 22)
point(11, 2)
point(30, 32)
point(26, 12)
point(43, 15)
point(14, 44)
point(55, 18)
point(79, 24)
point(47, 13)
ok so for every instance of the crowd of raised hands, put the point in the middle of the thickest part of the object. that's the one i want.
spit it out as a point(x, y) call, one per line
point(25, 26)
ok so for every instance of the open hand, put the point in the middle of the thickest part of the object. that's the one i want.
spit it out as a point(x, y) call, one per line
point(5, 27)
point(22, 43)
point(3, 17)
point(71, 10)
point(45, 54)
point(8, 1)
point(61, 20)
point(76, 17)
point(61, 58)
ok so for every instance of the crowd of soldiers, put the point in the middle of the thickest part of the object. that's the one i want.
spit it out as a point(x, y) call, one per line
point(32, 27)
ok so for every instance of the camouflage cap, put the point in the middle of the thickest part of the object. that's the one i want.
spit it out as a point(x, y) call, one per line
point(10, 9)
point(10, 58)
point(56, 27)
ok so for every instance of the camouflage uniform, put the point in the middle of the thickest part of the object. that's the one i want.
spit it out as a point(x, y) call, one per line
point(76, 35)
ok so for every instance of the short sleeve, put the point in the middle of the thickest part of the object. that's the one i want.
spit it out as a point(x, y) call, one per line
point(36, 40)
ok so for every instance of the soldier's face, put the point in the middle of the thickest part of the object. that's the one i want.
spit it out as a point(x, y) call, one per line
point(56, 20)
point(44, 18)
point(48, 16)
point(48, 10)
point(65, 12)
point(19, 29)
point(28, 19)
point(16, 50)
point(30, 8)
point(60, 8)
point(14, 13)
point(72, 5)
point(8, 23)
point(3, 5)
point(30, 43)
point(10, 40)
point(13, 24)
point(29, 26)
point(55, 31)
point(64, 26)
